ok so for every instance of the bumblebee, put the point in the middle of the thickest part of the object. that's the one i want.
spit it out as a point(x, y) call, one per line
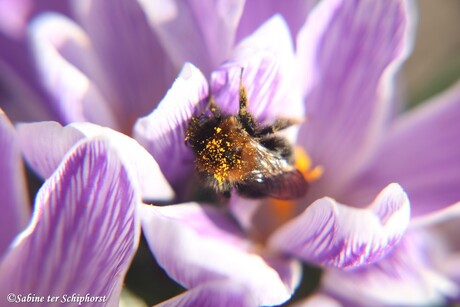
point(234, 151)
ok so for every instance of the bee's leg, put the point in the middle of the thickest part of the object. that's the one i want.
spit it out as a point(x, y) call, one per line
point(279, 145)
point(215, 110)
point(245, 116)
point(278, 125)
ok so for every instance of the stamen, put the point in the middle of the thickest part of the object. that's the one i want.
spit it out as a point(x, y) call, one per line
point(303, 163)
point(284, 210)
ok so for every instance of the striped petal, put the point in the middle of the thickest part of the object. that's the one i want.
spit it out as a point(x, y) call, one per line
point(36, 138)
point(421, 152)
point(256, 12)
point(328, 233)
point(405, 277)
point(348, 53)
point(135, 71)
point(444, 248)
point(267, 57)
point(196, 31)
point(197, 244)
point(162, 132)
point(65, 59)
point(84, 231)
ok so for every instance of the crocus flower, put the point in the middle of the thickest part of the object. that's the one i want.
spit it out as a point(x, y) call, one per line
point(83, 233)
point(348, 53)
point(198, 244)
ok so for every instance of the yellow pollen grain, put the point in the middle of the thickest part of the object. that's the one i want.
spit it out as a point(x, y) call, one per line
point(215, 157)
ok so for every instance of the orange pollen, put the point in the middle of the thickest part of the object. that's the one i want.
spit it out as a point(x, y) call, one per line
point(284, 209)
point(304, 165)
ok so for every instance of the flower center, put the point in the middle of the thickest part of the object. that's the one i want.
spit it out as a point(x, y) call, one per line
point(284, 210)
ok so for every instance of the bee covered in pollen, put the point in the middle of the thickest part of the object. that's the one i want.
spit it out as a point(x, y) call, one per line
point(234, 151)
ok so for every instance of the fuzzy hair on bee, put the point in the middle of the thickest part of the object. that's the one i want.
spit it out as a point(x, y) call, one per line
point(235, 152)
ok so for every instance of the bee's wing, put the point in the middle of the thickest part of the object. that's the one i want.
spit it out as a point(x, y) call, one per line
point(273, 177)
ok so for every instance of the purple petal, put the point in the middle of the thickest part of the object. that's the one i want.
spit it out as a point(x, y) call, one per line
point(405, 277)
point(13, 16)
point(267, 57)
point(436, 217)
point(23, 98)
point(331, 234)
point(135, 71)
point(445, 242)
point(84, 232)
point(349, 52)
point(195, 31)
point(421, 152)
point(13, 192)
point(243, 209)
point(35, 139)
point(65, 59)
point(152, 183)
point(198, 244)
point(217, 293)
point(257, 12)
point(162, 132)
